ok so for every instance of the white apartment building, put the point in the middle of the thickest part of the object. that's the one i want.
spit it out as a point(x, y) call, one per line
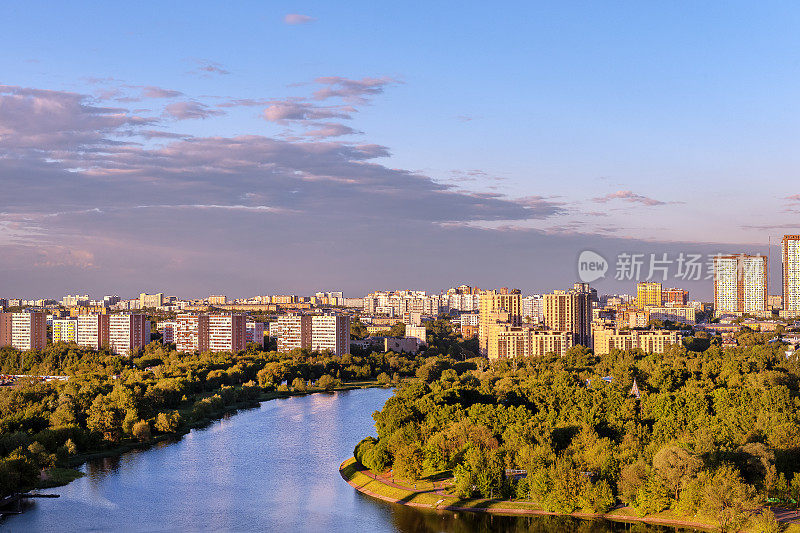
point(740, 284)
point(226, 333)
point(217, 333)
point(93, 331)
point(23, 331)
point(331, 333)
point(168, 330)
point(128, 333)
point(295, 332)
point(790, 259)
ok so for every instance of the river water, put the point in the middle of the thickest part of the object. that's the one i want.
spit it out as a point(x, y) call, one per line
point(271, 468)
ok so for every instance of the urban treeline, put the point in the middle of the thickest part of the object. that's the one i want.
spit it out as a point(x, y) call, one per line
point(713, 433)
point(111, 401)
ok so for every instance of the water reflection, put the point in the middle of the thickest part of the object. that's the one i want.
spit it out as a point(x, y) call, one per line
point(272, 468)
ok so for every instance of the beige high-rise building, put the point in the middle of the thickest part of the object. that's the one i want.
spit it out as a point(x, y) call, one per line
point(740, 284)
point(496, 307)
point(790, 259)
point(570, 311)
point(524, 341)
point(151, 300)
point(648, 294)
point(650, 341)
point(217, 299)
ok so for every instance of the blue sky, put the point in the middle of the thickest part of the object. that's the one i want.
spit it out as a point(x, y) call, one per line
point(529, 126)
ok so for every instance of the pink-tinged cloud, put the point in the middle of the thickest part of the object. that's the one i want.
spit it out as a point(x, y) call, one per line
point(190, 110)
point(159, 92)
point(351, 90)
point(628, 196)
point(793, 198)
point(208, 68)
point(331, 129)
point(295, 19)
point(288, 110)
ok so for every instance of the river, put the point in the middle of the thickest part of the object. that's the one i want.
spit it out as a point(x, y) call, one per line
point(271, 468)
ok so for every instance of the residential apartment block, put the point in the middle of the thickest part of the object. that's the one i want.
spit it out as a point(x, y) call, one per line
point(294, 332)
point(317, 332)
point(65, 330)
point(790, 260)
point(648, 294)
point(684, 314)
point(497, 307)
point(255, 333)
point(740, 284)
point(23, 331)
point(216, 333)
point(523, 341)
point(93, 331)
point(649, 341)
point(128, 333)
point(571, 311)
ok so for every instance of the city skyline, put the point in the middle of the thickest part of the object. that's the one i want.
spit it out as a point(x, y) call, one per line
point(223, 148)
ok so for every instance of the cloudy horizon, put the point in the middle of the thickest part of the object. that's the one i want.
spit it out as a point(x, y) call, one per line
point(213, 166)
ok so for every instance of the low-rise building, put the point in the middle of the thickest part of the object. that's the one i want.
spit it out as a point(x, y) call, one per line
point(649, 341)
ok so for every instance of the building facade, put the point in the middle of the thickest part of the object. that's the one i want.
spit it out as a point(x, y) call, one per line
point(128, 333)
point(650, 341)
point(790, 259)
point(294, 332)
point(648, 294)
point(65, 330)
point(740, 284)
point(497, 307)
point(93, 331)
point(23, 331)
point(215, 333)
point(570, 311)
point(331, 333)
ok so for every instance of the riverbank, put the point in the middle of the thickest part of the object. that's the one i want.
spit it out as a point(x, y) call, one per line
point(62, 475)
point(426, 495)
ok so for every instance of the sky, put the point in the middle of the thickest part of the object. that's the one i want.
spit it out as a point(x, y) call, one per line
point(288, 147)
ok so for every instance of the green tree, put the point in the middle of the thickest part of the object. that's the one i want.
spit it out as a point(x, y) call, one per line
point(676, 466)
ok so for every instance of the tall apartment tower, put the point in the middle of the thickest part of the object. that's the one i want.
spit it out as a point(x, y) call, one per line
point(191, 333)
point(740, 284)
point(790, 258)
point(495, 307)
point(227, 333)
point(65, 330)
point(570, 311)
point(295, 332)
point(23, 331)
point(93, 331)
point(648, 294)
point(216, 333)
point(331, 332)
point(128, 332)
